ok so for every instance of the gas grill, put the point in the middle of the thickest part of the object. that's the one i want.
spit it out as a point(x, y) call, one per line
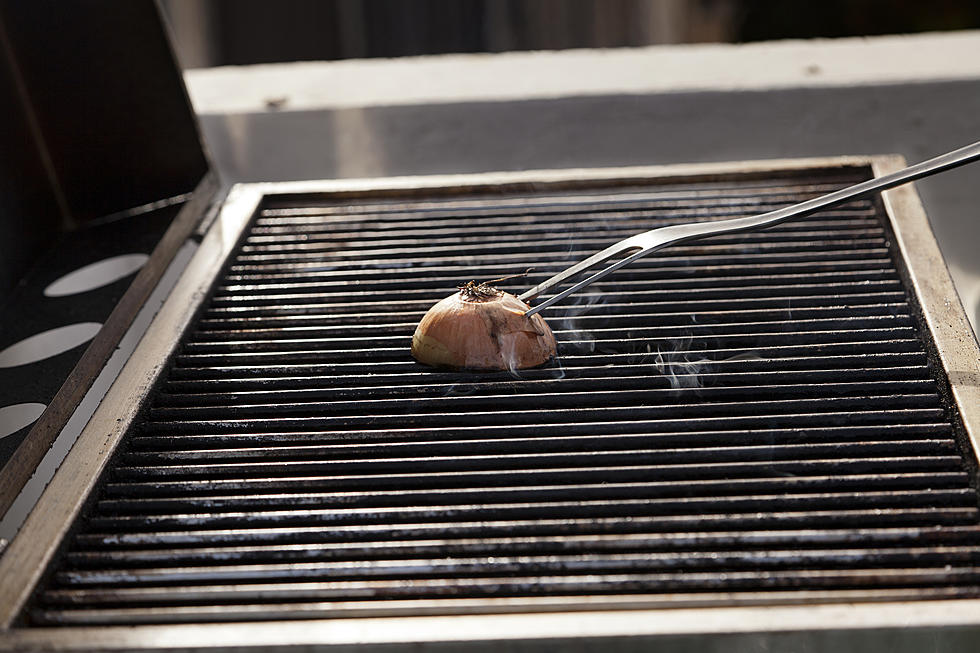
point(752, 421)
point(757, 441)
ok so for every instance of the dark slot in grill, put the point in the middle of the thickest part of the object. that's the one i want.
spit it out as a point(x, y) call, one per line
point(753, 418)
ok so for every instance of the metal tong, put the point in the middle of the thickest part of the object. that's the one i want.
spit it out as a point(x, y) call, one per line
point(648, 242)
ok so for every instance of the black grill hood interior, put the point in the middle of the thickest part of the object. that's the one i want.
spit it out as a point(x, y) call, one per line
point(101, 153)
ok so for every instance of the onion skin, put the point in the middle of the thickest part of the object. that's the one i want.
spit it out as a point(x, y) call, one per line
point(482, 333)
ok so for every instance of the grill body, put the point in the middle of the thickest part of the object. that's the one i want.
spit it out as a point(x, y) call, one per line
point(754, 419)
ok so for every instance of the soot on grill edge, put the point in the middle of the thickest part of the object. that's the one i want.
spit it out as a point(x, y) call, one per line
point(751, 418)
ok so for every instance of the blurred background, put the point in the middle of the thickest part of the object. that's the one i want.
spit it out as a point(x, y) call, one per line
point(235, 32)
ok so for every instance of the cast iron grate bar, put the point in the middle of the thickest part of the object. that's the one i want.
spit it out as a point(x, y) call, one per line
point(749, 419)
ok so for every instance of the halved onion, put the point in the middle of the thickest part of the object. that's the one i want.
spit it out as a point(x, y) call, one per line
point(482, 328)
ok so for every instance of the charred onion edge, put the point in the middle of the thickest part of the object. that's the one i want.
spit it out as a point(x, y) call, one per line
point(479, 292)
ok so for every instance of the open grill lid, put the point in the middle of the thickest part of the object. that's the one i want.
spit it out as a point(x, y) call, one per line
point(753, 419)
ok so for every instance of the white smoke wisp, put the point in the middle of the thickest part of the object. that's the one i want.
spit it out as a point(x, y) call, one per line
point(508, 349)
point(459, 390)
point(684, 368)
point(575, 307)
point(567, 332)
point(581, 303)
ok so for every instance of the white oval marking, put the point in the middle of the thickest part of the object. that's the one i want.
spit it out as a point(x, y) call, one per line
point(95, 275)
point(48, 343)
point(15, 417)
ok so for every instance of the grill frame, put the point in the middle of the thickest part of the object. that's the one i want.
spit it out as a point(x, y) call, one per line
point(30, 552)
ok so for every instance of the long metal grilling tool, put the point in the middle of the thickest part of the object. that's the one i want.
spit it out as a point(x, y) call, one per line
point(648, 242)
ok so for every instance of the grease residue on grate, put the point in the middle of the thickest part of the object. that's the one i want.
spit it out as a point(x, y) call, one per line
point(751, 418)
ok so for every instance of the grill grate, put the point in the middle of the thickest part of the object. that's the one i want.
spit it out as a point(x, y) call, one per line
point(751, 418)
